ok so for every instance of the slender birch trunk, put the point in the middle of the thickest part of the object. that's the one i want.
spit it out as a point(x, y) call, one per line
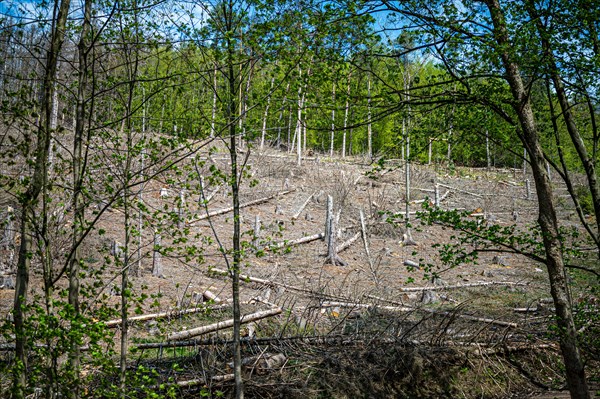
point(369, 128)
point(265, 116)
point(298, 132)
point(331, 140)
point(346, 111)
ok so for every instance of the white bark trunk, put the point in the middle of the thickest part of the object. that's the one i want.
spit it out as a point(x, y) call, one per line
point(331, 141)
point(369, 127)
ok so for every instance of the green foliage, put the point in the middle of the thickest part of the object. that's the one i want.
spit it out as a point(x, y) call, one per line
point(474, 235)
point(583, 195)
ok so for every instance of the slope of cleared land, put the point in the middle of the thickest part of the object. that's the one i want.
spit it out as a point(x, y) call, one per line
point(393, 322)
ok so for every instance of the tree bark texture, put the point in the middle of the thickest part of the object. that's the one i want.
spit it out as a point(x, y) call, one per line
point(234, 268)
point(547, 219)
point(31, 196)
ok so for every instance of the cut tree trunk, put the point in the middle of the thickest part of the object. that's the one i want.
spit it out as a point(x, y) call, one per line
point(332, 256)
point(299, 211)
point(244, 205)
point(193, 332)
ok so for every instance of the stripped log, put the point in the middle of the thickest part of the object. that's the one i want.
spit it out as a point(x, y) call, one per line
point(458, 286)
point(453, 314)
point(203, 381)
point(244, 277)
point(244, 205)
point(210, 296)
point(162, 315)
point(204, 199)
point(461, 191)
point(299, 211)
point(352, 305)
point(270, 283)
point(299, 241)
point(526, 310)
point(346, 244)
point(472, 318)
point(193, 332)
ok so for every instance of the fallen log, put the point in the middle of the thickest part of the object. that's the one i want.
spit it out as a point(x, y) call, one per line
point(299, 211)
point(411, 263)
point(244, 205)
point(458, 286)
point(324, 339)
point(526, 310)
point(244, 277)
point(461, 191)
point(302, 240)
point(193, 332)
point(443, 197)
point(210, 296)
point(212, 194)
point(346, 244)
point(162, 315)
point(352, 305)
point(447, 313)
point(472, 318)
point(270, 283)
point(349, 340)
point(204, 381)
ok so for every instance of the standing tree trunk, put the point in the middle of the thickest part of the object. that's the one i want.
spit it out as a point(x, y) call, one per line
point(77, 201)
point(347, 108)
point(299, 125)
point(132, 56)
point(213, 131)
point(30, 198)
point(369, 129)
point(547, 219)
point(280, 119)
point(244, 103)
point(407, 239)
point(265, 116)
point(331, 141)
point(488, 157)
point(450, 134)
point(234, 266)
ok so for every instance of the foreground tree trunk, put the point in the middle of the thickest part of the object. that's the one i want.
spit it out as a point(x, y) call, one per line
point(77, 203)
point(369, 127)
point(30, 198)
point(234, 266)
point(547, 219)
